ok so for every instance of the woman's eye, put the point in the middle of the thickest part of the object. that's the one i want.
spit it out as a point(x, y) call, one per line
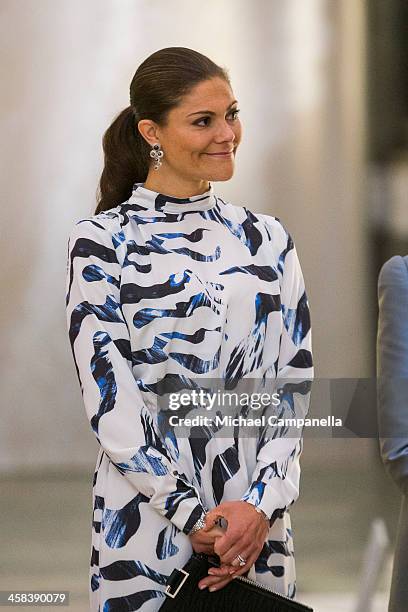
point(234, 112)
point(202, 119)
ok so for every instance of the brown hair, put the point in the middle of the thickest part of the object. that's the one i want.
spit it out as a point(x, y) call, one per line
point(157, 86)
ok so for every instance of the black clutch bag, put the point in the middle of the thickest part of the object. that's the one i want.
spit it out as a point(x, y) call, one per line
point(240, 594)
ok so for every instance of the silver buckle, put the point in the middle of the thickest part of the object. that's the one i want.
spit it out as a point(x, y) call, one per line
point(173, 595)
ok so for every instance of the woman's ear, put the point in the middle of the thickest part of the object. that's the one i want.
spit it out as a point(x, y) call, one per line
point(149, 130)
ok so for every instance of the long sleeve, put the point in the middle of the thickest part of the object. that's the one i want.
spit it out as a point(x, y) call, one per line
point(392, 368)
point(99, 338)
point(275, 480)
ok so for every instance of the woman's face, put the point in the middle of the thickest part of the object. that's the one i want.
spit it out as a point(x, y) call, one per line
point(201, 127)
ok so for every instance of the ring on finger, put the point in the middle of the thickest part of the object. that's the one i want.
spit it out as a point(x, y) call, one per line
point(241, 560)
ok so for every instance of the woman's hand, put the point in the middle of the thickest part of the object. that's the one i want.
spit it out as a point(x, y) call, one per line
point(245, 535)
point(203, 541)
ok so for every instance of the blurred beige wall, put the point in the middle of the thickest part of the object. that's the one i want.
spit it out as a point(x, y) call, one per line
point(297, 69)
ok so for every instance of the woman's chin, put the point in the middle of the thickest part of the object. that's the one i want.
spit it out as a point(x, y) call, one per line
point(221, 174)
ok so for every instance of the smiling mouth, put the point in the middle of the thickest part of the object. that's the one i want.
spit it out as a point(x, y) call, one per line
point(223, 154)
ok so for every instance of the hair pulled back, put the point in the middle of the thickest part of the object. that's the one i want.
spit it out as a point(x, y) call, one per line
point(157, 86)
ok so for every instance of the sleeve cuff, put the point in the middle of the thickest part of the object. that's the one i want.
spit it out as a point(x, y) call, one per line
point(179, 501)
point(274, 493)
point(271, 502)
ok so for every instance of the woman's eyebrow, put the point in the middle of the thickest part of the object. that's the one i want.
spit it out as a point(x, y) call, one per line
point(208, 112)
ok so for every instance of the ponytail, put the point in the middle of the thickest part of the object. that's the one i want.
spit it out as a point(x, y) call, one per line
point(126, 155)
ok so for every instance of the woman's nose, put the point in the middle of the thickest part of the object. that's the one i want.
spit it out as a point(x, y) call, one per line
point(225, 133)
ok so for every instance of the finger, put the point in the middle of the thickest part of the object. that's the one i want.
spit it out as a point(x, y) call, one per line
point(217, 531)
point(243, 546)
point(210, 519)
point(224, 570)
point(250, 554)
point(228, 553)
point(245, 553)
point(242, 570)
point(207, 538)
point(210, 580)
point(220, 585)
point(214, 581)
point(231, 542)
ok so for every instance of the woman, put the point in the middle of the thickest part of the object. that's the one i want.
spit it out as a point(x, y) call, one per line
point(167, 282)
point(392, 376)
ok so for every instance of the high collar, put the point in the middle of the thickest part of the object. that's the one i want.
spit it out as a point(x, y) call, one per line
point(165, 203)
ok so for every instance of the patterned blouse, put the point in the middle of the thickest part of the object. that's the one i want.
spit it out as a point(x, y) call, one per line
point(179, 291)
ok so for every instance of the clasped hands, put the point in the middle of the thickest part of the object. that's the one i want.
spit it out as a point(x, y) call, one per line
point(245, 536)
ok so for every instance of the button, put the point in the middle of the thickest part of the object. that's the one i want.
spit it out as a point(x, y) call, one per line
point(175, 473)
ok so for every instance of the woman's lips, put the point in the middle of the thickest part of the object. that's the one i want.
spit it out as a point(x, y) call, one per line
point(228, 154)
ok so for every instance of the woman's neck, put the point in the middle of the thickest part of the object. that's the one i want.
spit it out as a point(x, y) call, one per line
point(174, 186)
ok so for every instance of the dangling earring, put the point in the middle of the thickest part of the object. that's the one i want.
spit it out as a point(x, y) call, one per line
point(156, 153)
